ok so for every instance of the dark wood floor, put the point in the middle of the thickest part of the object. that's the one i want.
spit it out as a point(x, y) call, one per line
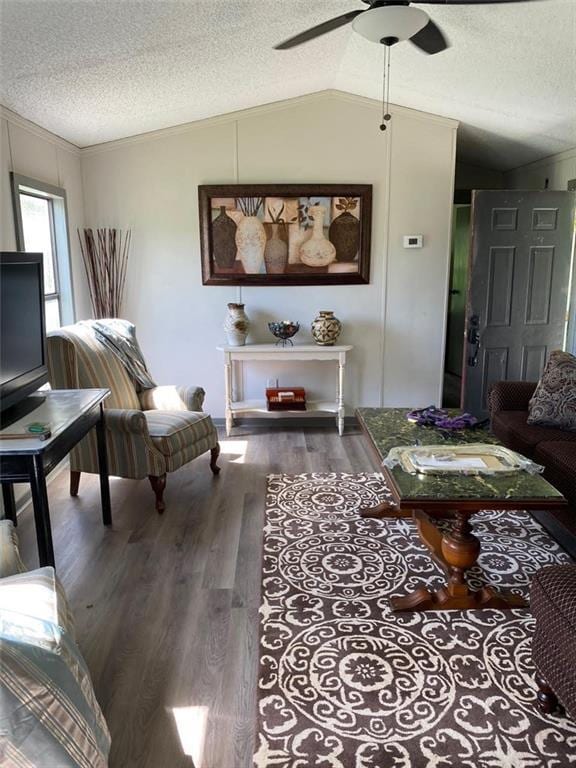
point(166, 607)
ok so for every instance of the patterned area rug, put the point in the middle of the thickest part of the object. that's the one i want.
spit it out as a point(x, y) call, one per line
point(344, 683)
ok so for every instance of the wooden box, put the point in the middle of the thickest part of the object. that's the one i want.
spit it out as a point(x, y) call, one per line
point(286, 399)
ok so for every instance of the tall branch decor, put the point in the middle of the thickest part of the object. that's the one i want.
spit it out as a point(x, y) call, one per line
point(105, 255)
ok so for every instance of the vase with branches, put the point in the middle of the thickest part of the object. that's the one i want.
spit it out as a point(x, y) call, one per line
point(251, 235)
point(105, 254)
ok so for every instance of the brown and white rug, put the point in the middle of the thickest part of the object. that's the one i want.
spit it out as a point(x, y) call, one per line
point(344, 683)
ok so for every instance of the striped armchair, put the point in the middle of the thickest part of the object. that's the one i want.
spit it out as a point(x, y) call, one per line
point(149, 433)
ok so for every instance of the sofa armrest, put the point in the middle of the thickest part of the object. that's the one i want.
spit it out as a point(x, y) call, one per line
point(171, 398)
point(126, 420)
point(10, 562)
point(511, 395)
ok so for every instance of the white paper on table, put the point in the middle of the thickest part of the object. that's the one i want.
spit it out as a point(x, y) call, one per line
point(431, 462)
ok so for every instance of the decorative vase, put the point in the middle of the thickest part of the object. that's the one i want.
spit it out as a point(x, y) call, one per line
point(224, 240)
point(251, 241)
point(236, 325)
point(344, 233)
point(318, 251)
point(326, 328)
point(275, 253)
point(297, 236)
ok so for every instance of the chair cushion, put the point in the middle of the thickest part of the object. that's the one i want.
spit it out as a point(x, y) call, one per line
point(554, 401)
point(173, 431)
point(512, 429)
point(559, 461)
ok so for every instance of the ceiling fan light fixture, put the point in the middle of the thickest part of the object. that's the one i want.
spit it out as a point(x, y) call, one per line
point(392, 21)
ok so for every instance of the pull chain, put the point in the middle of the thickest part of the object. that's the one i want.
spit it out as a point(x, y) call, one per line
point(386, 116)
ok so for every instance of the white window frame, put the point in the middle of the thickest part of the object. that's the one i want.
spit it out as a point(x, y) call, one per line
point(56, 196)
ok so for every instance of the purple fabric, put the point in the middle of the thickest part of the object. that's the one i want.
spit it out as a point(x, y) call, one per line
point(438, 417)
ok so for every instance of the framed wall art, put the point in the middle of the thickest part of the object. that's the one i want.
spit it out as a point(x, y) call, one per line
point(285, 234)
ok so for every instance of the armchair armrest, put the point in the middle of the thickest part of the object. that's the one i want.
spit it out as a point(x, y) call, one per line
point(171, 398)
point(10, 562)
point(127, 420)
point(511, 395)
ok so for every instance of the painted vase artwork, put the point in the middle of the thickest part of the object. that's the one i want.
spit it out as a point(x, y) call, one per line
point(318, 251)
point(305, 234)
point(275, 252)
point(224, 239)
point(344, 231)
point(251, 242)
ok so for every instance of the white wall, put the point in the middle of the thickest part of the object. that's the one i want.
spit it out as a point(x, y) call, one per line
point(31, 151)
point(396, 323)
point(558, 169)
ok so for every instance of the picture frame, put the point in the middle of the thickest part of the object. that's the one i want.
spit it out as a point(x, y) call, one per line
point(285, 234)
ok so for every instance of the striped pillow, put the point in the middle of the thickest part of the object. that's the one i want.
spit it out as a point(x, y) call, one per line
point(37, 595)
point(49, 715)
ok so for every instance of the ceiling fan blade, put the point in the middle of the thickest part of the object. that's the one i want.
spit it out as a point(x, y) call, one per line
point(469, 2)
point(430, 39)
point(318, 30)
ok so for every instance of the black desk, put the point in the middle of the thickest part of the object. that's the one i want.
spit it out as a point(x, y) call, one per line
point(71, 414)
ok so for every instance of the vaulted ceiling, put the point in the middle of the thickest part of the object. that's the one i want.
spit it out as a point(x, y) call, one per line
point(96, 70)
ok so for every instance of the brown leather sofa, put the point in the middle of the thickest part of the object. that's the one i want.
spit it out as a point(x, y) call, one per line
point(554, 448)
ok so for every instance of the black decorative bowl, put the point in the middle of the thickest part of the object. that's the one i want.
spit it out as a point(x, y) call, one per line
point(284, 330)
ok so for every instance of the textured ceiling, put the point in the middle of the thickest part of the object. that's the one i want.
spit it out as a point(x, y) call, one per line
point(96, 70)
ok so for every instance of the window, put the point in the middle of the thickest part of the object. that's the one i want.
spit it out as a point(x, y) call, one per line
point(42, 227)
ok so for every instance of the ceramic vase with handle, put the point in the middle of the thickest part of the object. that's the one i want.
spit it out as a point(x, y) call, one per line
point(326, 329)
point(236, 325)
point(318, 251)
point(251, 242)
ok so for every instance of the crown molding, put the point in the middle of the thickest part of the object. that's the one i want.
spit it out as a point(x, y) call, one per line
point(567, 154)
point(275, 106)
point(15, 119)
point(397, 109)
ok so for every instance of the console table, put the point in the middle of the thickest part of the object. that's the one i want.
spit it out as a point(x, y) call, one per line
point(70, 414)
point(301, 353)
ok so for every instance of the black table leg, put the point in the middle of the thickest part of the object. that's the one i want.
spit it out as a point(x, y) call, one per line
point(103, 468)
point(41, 511)
point(9, 502)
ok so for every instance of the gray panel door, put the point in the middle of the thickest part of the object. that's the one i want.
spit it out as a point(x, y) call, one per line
point(518, 290)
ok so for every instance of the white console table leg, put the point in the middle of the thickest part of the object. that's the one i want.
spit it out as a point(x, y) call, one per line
point(340, 418)
point(228, 388)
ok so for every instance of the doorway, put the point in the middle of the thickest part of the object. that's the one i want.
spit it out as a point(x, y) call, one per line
point(510, 274)
point(456, 321)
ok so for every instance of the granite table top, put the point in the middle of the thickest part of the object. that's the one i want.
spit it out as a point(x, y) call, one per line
point(387, 428)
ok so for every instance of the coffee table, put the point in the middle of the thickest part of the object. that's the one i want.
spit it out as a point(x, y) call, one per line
point(427, 498)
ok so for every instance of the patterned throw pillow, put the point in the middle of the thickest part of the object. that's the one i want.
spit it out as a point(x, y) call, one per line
point(554, 401)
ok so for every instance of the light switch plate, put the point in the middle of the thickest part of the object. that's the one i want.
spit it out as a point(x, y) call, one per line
point(412, 241)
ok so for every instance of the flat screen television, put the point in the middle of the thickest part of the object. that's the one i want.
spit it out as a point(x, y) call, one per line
point(23, 365)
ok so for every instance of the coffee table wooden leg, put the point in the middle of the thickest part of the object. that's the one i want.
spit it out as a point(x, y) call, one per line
point(456, 551)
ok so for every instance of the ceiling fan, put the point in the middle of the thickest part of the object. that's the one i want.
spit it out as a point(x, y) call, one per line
point(389, 22)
